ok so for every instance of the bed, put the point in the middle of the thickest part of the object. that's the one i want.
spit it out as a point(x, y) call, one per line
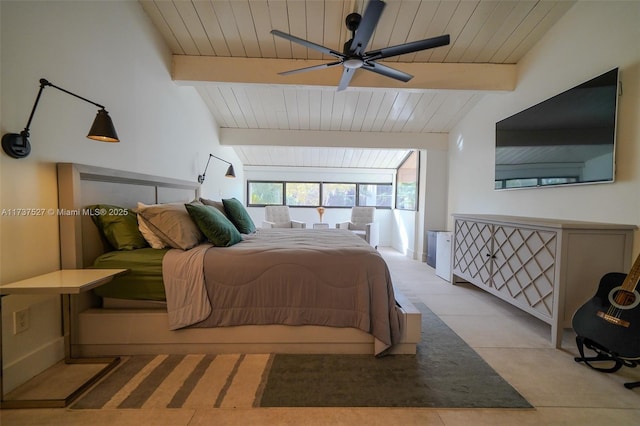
point(106, 320)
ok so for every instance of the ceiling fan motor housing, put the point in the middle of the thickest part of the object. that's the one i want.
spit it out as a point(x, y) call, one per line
point(353, 21)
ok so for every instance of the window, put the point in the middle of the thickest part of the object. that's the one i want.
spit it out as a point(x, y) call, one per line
point(265, 193)
point(407, 183)
point(339, 194)
point(314, 194)
point(375, 195)
point(305, 194)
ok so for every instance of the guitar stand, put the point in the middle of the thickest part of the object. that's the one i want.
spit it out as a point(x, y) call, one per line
point(602, 354)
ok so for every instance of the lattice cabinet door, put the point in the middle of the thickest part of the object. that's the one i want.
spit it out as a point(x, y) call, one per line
point(472, 251)
point(545, 267)
point(524, 262)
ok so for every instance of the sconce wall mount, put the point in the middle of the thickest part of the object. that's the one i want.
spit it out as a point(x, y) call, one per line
point(230, 172)
point(17, 145)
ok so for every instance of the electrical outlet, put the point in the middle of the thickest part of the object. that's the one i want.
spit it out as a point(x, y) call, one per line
point(20, 321)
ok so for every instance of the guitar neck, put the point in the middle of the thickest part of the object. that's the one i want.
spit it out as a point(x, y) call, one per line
point(633, 276)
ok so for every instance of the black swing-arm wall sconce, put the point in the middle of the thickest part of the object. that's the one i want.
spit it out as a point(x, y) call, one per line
point(230, 172)
point(18, 146)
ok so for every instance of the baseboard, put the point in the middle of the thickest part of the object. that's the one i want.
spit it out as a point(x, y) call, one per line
point(411, 254)
point(18, 372)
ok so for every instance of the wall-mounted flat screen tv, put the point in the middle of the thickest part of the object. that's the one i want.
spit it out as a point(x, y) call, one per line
point(566, 140)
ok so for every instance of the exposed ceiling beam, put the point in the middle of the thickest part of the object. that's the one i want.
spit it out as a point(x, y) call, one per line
point(313, 138)
point(436, 76)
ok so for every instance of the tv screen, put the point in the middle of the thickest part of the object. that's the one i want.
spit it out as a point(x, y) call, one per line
point(566, 140)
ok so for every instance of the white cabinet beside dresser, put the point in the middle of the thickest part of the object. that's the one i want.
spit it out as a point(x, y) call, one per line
point(545, 267)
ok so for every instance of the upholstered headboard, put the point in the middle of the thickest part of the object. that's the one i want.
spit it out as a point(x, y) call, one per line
point(80, 186)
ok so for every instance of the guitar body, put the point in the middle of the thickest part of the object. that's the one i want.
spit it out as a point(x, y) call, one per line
point(606, 321)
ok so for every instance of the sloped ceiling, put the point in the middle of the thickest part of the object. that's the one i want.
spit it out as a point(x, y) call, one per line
point(225, 49)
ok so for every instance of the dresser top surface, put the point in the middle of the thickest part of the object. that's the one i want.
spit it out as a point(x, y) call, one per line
point(546, 222)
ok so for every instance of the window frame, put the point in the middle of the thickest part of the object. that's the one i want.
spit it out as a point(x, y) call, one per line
point(417, 182)
point(283, 201)
point(248, 202)
point(391, 201)
point(355, 201)
point(287, 182)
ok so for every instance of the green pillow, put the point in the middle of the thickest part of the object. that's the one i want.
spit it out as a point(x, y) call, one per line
point(239, 216)
point(118, 225)
point(217, 228)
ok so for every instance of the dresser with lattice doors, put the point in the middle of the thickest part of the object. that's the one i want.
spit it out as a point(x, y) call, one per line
point(545, 267)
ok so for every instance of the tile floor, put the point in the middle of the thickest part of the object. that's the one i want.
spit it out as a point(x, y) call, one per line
point(512, 342)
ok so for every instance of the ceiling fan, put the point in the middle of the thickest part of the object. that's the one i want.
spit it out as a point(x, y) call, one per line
point(354, 54)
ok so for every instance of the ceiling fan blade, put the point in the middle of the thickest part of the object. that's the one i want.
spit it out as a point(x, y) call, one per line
point(307, 43)
point(414, 46)
point(315, 67)
point(367, 25)
point(347, 74)
point(387, 71)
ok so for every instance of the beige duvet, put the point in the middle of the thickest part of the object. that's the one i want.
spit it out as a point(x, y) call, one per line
point(295, 277)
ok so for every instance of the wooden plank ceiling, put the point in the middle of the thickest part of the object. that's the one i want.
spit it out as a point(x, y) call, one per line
point(482, 32)
point(351, 158)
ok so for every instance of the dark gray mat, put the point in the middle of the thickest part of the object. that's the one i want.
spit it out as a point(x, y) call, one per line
point(445, 372)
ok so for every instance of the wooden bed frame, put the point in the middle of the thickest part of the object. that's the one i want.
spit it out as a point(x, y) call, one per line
point(129, 331)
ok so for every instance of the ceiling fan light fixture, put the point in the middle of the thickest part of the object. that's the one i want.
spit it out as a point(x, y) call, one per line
point(353, 63)
point(355, 54)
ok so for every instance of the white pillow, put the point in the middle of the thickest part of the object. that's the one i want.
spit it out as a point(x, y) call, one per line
point(153, 240)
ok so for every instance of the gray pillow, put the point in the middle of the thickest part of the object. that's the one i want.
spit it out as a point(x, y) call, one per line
point(171, 223)
point(213, 203)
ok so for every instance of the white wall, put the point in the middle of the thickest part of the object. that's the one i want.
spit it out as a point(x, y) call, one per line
point(401, 229)
point(590, 39)
point(106, 51)
point(410, 227)
point(435, 196)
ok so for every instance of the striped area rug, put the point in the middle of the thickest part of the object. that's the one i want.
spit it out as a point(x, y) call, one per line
point(182, 381)
point(445, 372)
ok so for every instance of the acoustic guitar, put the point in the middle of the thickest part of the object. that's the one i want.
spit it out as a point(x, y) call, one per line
point(612, 317)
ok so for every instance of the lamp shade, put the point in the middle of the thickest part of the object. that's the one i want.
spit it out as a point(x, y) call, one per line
point(230, 172)
point(102, 128)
